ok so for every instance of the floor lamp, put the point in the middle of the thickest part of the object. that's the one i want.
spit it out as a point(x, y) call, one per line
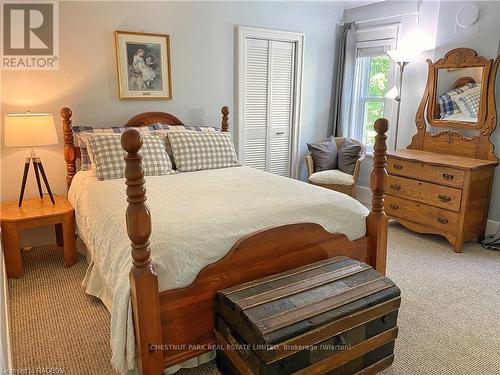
point(401, 60)
point(31, 130)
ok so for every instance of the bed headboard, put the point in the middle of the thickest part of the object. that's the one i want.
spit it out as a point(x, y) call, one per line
point(72, 152)
point(462, 82)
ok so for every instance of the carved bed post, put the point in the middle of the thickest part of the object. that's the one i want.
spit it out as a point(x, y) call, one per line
point(225, 117)
point(377, 221)
point(69, 147)
point(143, 279)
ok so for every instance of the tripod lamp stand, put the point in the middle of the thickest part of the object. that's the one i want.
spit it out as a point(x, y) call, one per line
point(31, 130)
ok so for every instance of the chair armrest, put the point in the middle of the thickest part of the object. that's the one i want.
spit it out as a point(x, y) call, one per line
point(357, 167)
point(309, 165)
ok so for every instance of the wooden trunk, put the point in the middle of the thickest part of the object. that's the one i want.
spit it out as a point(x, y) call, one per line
point(333, 316)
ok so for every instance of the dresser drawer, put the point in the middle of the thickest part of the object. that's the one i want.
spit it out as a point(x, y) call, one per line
point(426, 172)
point(424, 192)
point(422, 214)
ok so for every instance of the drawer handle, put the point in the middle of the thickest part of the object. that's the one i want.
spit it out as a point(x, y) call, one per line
point(443, 220)
point(444, 198)
point(398, 166)
point(395, 187)
point(447, 176)
point(280, 133)
point(394, 206)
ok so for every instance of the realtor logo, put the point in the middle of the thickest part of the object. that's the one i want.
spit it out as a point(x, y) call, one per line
point(30, 35)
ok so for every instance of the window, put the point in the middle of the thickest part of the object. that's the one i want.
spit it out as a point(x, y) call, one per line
point(374, 72)
point(373, 77)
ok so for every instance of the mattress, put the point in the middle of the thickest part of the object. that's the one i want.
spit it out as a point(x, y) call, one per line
point(196, 219)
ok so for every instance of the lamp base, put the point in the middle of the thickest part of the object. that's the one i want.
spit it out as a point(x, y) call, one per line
point(38, 167)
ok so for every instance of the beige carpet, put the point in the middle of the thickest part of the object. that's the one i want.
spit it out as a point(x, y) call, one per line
point(449, 320)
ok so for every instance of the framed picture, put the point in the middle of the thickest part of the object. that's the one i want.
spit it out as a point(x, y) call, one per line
point(143, 64)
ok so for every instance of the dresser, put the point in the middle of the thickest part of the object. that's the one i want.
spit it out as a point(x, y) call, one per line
point(442, 182)
point(443, 194)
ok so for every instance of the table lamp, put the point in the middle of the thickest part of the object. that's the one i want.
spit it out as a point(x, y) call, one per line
point(31, 130)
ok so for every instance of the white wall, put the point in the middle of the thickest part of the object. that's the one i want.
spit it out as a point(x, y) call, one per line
point(437, 20)
point(203, 70)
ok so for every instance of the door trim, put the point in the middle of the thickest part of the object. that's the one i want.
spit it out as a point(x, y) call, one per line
point(284, 36)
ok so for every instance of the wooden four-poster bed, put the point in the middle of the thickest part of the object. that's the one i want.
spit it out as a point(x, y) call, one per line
point(176, 325)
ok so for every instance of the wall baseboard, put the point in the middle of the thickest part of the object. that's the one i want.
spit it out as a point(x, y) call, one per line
point(364, 195)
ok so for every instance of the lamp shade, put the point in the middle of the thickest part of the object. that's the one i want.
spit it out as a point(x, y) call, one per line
point(29, 129)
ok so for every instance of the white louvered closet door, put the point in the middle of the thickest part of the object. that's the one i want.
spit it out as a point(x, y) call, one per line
point(268, 104)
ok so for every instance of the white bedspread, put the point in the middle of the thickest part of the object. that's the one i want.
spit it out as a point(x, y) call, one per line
point(196, 219)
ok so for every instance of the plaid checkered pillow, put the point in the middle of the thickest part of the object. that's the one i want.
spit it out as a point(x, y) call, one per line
point(472, 102)
point(447, 102)
point(107, 155)
point(82, 133)
point(163, 131)
point(194, 151)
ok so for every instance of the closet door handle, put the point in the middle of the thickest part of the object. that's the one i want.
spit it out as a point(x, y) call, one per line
point(442, 220)
point(398, 166)
point(396, 187)
point(444, 198)
point(394, 206)
point(448, 176)
point(280, 133)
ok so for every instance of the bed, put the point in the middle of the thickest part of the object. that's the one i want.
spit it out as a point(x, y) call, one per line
point(173, 278)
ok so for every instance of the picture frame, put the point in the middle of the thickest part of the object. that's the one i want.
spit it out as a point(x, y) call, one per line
point(143, 65)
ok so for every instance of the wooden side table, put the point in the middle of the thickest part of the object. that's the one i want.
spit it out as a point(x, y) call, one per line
point(35, 213)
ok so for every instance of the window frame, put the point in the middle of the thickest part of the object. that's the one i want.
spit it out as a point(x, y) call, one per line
point(384, 37)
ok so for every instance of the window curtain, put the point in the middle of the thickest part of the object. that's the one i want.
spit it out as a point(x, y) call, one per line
point(344, 83)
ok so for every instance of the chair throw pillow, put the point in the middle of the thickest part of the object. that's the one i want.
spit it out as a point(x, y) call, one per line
point(348, 155)
point(324, 154)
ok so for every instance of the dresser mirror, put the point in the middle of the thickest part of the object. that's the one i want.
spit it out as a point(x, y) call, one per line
point(459, 105)
point(458, 94)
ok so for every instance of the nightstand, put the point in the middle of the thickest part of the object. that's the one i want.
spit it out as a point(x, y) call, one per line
point(35, 213)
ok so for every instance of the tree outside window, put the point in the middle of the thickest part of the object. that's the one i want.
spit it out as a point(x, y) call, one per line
point(372, 80)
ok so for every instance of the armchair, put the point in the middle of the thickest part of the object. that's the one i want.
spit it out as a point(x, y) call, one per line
point(335, 179)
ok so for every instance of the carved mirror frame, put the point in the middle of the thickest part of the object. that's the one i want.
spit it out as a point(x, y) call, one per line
point(456, 59)
point(454, 142)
